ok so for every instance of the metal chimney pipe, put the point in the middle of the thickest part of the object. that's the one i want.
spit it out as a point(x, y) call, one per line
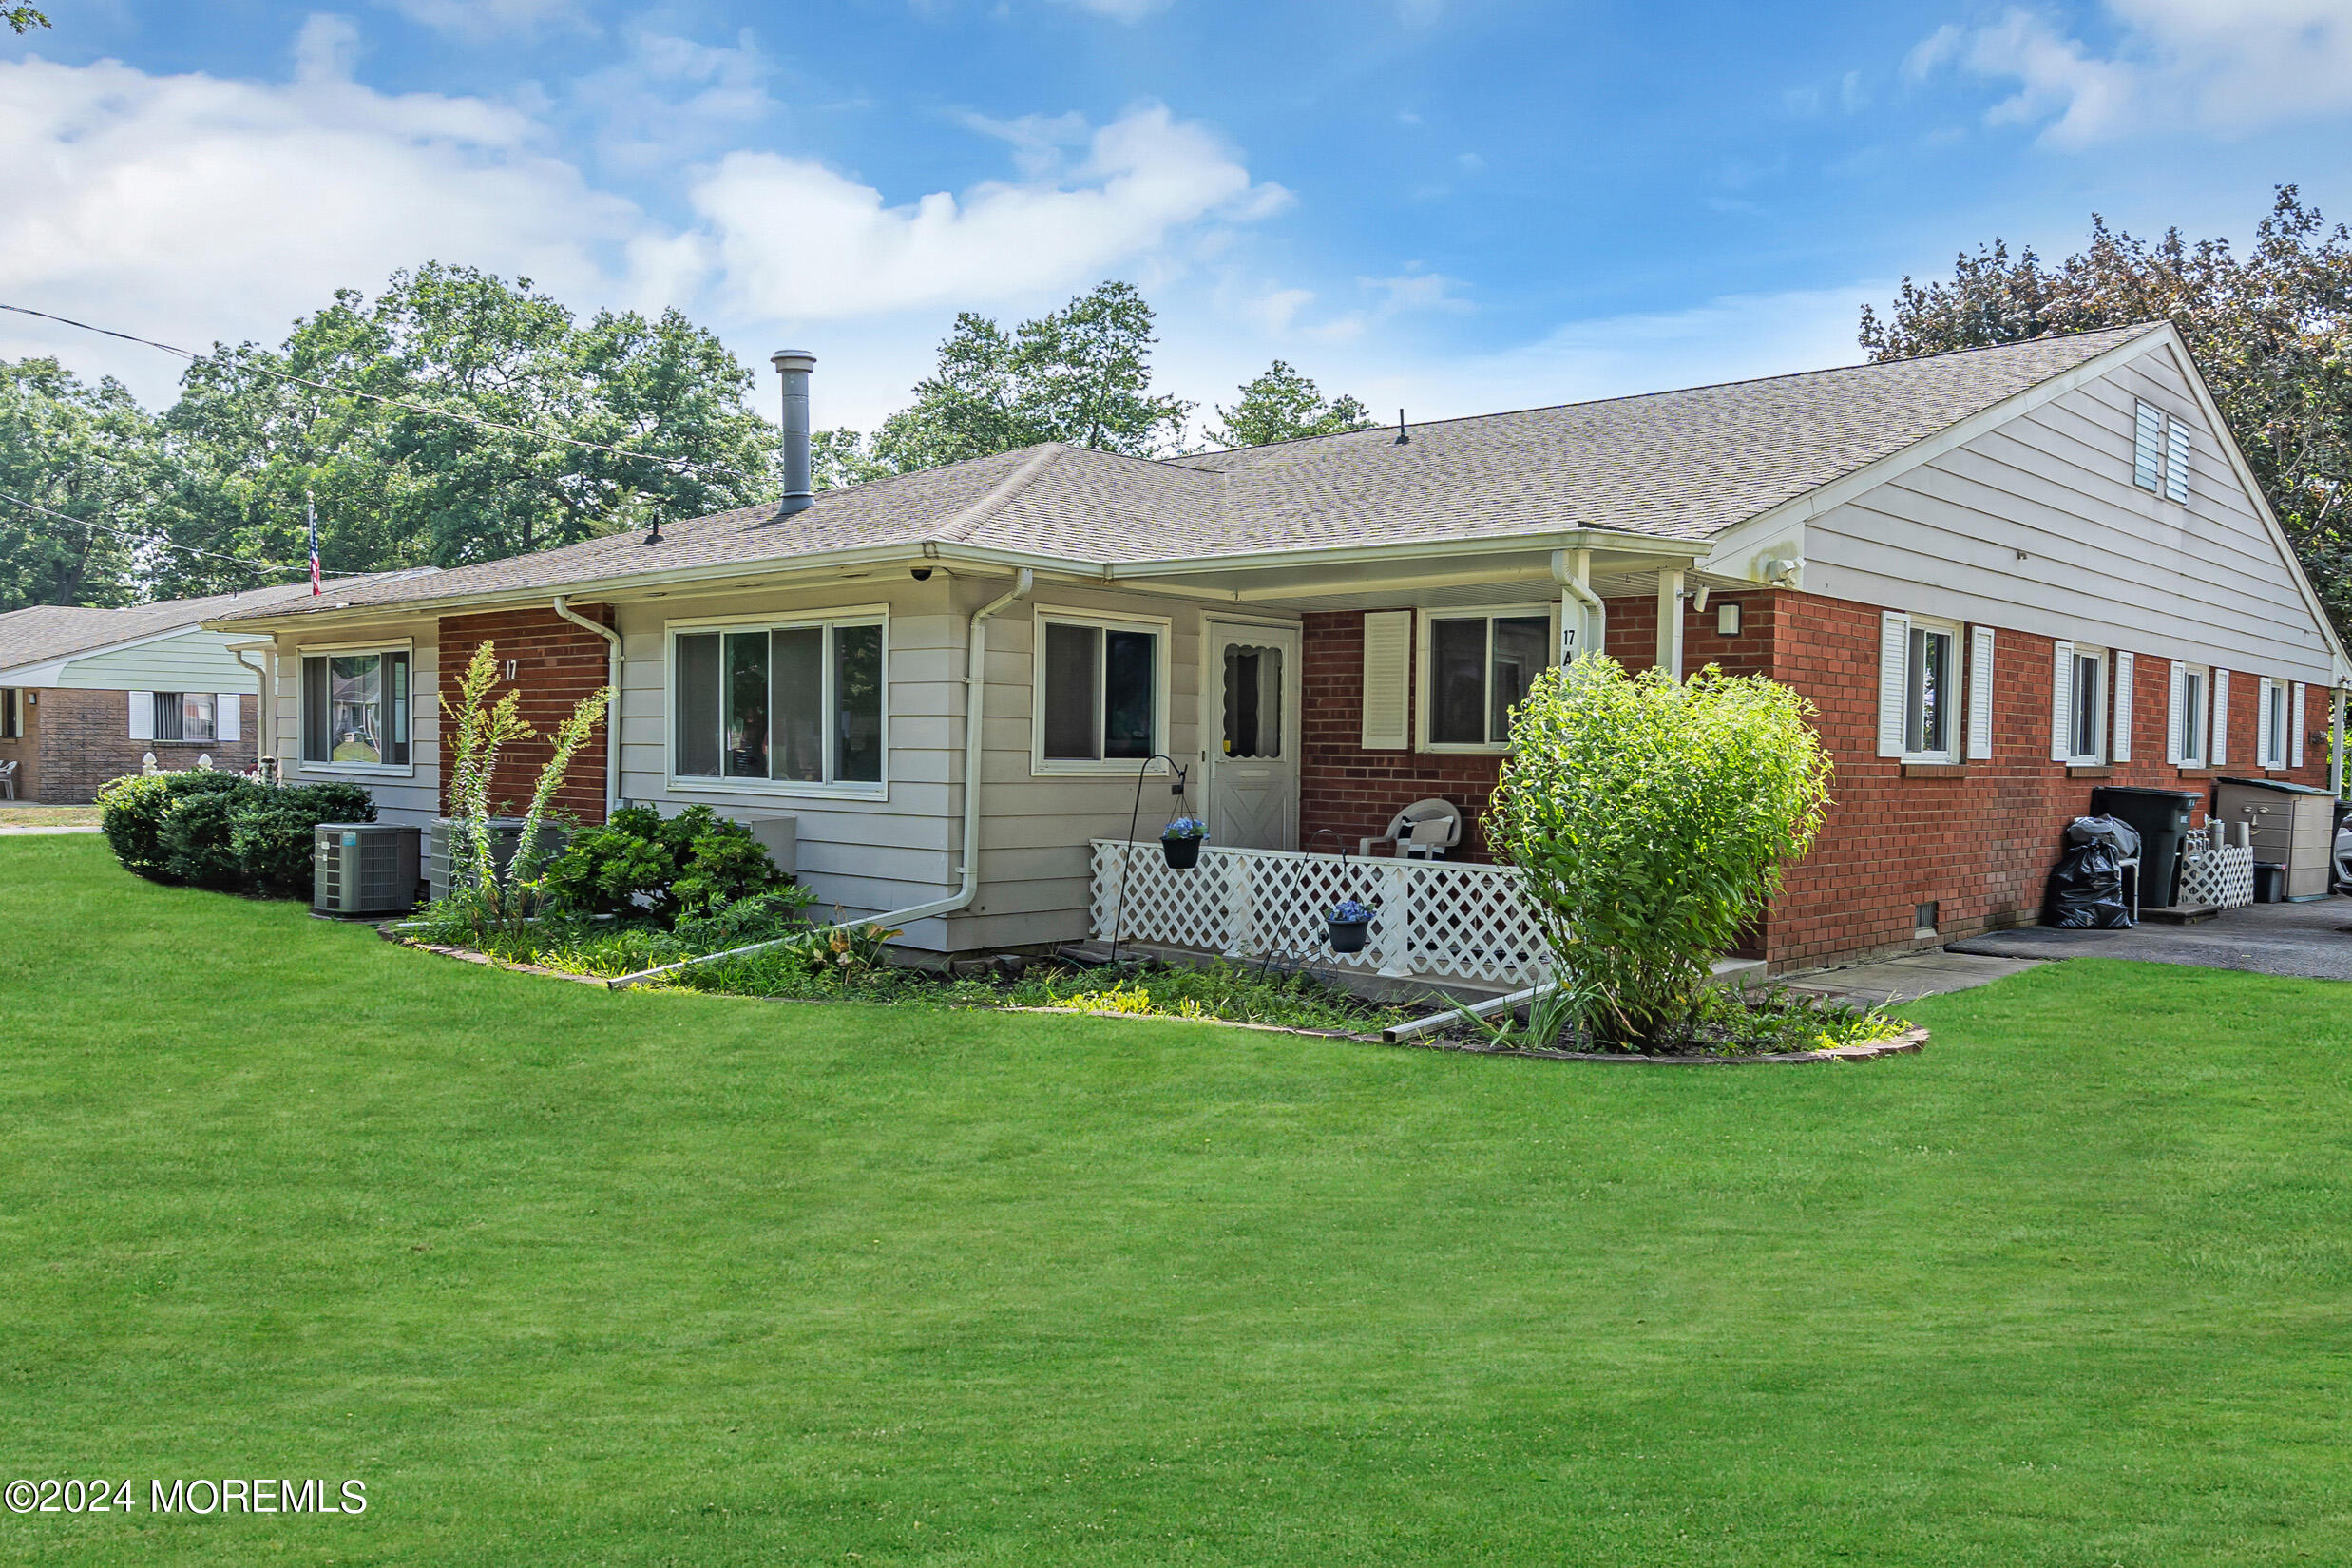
point(793, 366)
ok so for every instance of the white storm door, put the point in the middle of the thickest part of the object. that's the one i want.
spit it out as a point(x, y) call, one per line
point(1250, 733)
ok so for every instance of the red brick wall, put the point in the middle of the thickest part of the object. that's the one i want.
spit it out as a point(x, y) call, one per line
point(83, 740)
point(1977, 840)
point(556, 664)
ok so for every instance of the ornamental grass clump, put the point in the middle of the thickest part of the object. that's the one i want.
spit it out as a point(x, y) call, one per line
point(1653, 820)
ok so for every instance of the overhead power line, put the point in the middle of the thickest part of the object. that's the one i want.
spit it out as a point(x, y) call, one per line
point(148, 539)
point(675, 464)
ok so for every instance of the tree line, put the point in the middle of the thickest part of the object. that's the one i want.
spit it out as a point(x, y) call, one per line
point(460, 417)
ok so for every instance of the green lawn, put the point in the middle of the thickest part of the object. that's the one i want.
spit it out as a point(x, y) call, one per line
point(571, 1277)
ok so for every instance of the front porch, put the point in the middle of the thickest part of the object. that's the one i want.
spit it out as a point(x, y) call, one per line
point(1453, 924)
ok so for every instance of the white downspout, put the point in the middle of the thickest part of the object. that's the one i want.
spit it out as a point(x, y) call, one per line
point(2335, 728)
point(967, 881)
point(1573, 571)
point(264, 704)
point(612, 707)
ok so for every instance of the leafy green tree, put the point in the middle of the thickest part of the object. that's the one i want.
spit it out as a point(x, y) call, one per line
point(1285, 405)
point(22, 18)
point(1082, 374)
point(840, 458)
point(2271, 330)
point(397, 483)
point(80, 452)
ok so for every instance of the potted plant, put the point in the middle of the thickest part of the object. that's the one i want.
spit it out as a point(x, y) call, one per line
point(1347, 923)
point(1181, 841)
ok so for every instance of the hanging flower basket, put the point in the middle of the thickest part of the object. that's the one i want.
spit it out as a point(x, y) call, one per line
point(1346, 925)
point(1180, 840)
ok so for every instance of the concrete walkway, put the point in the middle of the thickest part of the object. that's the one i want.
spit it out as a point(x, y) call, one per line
point(1909, 978)
point(91, 827)
point(2309, 940)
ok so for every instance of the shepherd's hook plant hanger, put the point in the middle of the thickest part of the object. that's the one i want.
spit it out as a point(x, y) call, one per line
point(1177, 776)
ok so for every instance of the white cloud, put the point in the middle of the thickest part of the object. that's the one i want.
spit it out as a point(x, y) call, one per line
point(478, 21)
point(2226, 66)
point(192, 208)
point(672, 99)
point(797, 240)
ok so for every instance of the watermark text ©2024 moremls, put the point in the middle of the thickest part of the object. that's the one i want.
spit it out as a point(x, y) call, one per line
point(203, 1495)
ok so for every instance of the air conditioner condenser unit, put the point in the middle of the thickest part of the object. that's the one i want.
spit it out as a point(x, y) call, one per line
point(364, 868)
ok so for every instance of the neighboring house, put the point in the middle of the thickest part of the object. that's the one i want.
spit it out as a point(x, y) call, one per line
point(86, 695)
point(2001, 576)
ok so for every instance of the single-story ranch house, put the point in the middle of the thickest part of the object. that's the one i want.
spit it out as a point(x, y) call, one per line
point(87, 694)
point(2002, 575)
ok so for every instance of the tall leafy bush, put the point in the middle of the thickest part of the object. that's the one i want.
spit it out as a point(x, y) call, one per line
point(1653, 820)
point(643, 863)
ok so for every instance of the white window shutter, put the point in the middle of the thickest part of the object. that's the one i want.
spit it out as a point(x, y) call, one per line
point(2218, 752)
point(228, 714)
point(2119, 746)
point(143, 715)
point(1979, 694)
point(1388, 679)
point(1894, 680)
point(2062, 702)
point(2263, 740)
point(2295, 724)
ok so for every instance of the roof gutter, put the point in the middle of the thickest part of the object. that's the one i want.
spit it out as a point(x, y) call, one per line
point(612, 703)
point(967, 881)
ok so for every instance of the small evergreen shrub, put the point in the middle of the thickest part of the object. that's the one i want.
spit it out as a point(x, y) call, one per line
point(273, 834)
point(641, 863)
point(133, 811)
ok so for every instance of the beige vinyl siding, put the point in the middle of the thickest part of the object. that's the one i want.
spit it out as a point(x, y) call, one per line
point(412, 799)
point(2036, 526)
point(186, 662)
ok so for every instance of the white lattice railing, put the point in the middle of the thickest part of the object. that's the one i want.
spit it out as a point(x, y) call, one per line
point(1436, 919)
point(2219, 875)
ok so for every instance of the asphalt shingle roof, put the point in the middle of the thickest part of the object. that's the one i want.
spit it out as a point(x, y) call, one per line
point(1676, 464)
point(39, 633)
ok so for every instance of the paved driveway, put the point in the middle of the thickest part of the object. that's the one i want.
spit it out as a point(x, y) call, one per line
point(2312, 940)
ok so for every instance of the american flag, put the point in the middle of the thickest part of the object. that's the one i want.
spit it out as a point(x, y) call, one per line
point(312, 510)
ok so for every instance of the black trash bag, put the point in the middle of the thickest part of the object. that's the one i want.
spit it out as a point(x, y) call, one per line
point(2086, 890)
point(2113, 832)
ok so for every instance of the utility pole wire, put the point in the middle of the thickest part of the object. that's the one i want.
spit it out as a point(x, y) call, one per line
point(148, 539)
point(674, 463)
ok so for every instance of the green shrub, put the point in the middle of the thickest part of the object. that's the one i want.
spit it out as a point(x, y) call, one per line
point(639, 863)
point(196, 836)
point(273, 833)
point(1652, 818)
point(133, 812)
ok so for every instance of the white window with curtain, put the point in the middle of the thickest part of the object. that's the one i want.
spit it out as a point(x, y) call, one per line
point(355, 712)
point(1475, 667)
point(2270, 724)
point(11, 713)
point(781, 706)
point(1101, 691)
point(1919, 688)
point(2078, 733)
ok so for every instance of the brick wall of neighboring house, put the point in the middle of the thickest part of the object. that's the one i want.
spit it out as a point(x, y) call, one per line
point(85, 741)
point(556, 664)
point(1977, 839)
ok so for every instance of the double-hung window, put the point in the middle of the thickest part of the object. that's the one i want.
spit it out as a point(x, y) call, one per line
point(798, 703)
point(184, 715)
point(1475, 668)
point(2159, 452)
point(2271, 724)
point(1101, 691)
point(1920, 688)
point(355, 708)
point(2078, 706)
point(2187, 738)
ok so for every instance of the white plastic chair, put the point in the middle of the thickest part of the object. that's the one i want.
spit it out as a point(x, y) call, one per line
point(1425, 830)
point(8, 780)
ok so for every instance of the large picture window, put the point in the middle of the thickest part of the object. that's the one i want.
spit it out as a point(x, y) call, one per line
point(1099, 691)
point(798, 703)
point(354, 709)
point(1475, 669)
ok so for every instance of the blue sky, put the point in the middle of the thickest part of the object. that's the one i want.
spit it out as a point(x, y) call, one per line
point(1454, 205)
